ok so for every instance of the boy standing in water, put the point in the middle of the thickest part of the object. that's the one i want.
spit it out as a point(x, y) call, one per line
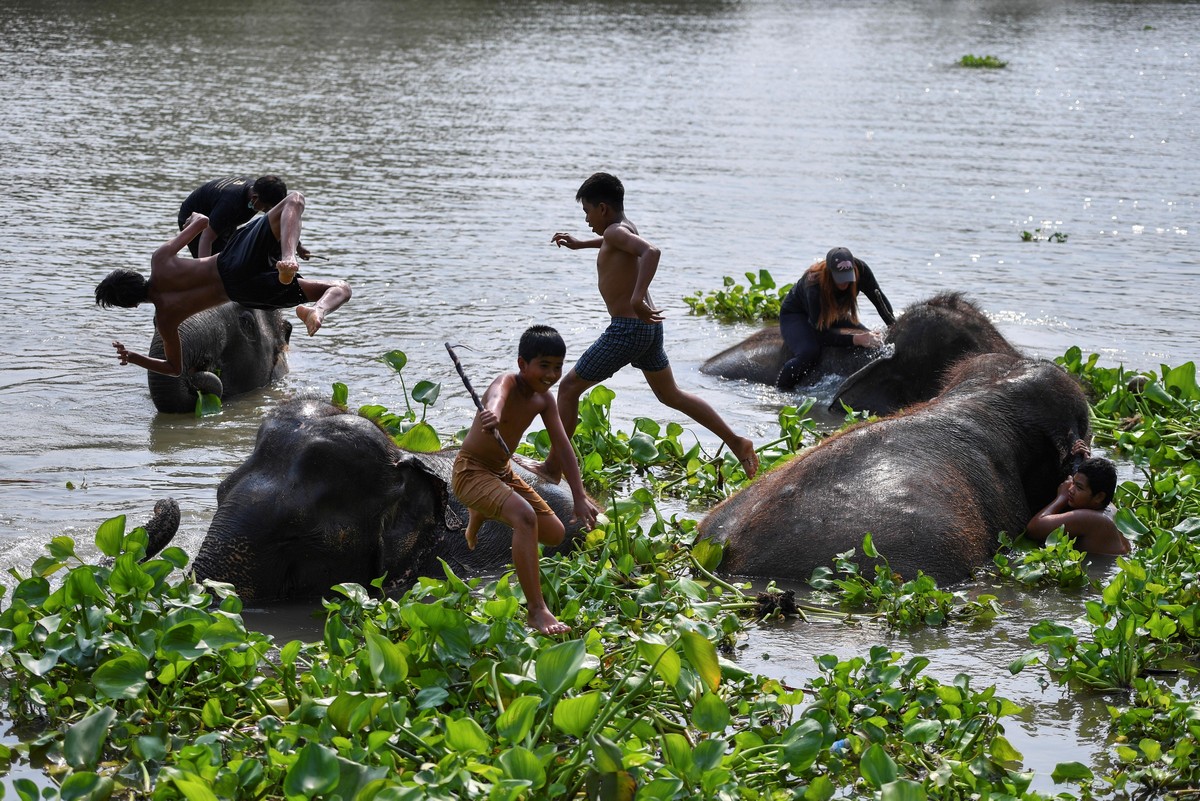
point(257, 269)
point(484, 479)
point(626, 265)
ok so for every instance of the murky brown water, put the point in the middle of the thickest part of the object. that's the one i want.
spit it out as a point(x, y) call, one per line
point(440, 144)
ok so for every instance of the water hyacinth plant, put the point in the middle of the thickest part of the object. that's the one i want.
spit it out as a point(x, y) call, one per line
point(758, 300)
point(129, 679)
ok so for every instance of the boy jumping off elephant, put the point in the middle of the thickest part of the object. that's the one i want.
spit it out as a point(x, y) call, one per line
point(257, 268)
point(484, 479)
point(626, 265)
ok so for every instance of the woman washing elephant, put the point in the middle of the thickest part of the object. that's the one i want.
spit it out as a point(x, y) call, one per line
point(821, 310)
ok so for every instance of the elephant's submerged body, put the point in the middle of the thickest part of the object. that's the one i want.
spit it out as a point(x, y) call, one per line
point(227, 350)
point(760, 357)
point(326, 497)
point(933, 486)
point(925, 340)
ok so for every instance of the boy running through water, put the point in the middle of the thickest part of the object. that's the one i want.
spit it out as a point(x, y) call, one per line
point(626, 265)
point(484, 479)
point(257, 269)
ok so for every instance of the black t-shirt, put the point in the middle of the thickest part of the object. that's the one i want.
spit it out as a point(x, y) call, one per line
point(223, 201)
point(805, 299)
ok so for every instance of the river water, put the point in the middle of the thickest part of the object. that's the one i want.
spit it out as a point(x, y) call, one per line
point(440, 145)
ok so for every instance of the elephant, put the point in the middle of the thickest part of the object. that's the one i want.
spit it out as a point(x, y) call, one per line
point(326, 497)
point(933, 485)
point(925, 340)
point(760, 357)
point(246, 348)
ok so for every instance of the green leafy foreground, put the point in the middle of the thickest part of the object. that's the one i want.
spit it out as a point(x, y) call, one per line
point(131, 680)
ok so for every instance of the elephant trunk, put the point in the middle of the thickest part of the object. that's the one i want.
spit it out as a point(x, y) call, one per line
point(162, 526)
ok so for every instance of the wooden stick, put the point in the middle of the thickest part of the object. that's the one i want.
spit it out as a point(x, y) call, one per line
point(474, 396)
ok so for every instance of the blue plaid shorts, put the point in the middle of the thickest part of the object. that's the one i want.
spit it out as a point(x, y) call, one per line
point(627, 340)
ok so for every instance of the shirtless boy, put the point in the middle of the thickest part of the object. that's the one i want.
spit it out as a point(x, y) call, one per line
point(1079, 509)
point(484, 479)
point(626, 265)
point(257, 268)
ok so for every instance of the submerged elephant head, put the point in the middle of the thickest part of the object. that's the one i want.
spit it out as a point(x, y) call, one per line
point(326, 497)
point(925, 340)
point(934, 485)
point(227, 350)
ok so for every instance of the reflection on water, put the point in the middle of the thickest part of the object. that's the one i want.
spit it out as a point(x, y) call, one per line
point(441, 144)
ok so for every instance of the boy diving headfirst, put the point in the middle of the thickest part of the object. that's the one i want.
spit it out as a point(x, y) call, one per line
point(257, 268)
point(484, 479)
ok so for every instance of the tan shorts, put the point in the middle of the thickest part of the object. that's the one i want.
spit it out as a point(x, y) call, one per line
point(486, 487)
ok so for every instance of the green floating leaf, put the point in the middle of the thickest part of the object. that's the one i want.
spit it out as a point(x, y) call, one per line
point(702, 655)
point(110, 535)
point(522, 764)
point(662, 658)
point(903, 790)
point(397, 359)
point(86, 786)
point(315, 772)
point(559, 665)
point(341, 394)
point(711, 713)
point(516, 721)
point(575, 715)
point(123, 676)
point(708, 554)
point(207, 405)
point(421, 438)
point(877, 767)
point(466, 736)
point(83, 740)
point(426, 392)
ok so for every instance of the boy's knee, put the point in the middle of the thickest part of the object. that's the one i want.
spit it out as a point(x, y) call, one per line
point(550, 530)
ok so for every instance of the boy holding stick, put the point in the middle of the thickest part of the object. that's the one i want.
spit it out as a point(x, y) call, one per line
point(483, 476)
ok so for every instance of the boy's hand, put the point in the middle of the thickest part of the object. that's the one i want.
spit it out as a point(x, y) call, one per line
point(566, 240)
point(1080, 448)
point(123, 355)
point(195, 216)
point(303, 252)
point(487, 420)
point(647, 313)
point(584, 514)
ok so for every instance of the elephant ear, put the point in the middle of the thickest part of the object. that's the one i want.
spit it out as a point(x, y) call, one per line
point(439, 467)
point(248, 324)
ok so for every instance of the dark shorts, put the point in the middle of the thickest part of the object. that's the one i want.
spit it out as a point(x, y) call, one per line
point(627, 340)
point(247, 270)
point(261, 289)
point(486, 487)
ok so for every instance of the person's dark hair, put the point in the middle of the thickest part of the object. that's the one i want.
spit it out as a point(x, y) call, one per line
point(270, 189)
point(541, 340)
point(603, 188)
point(124, 288)
point(1101, 475)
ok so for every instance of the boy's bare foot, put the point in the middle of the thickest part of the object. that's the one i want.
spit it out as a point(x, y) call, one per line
point(546, 472)
point(312, 317)
point(744, 451)
point(474, 521)
point(547, 623)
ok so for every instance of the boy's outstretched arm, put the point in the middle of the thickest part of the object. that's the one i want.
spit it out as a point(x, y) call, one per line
point(285, 224)
point(571, 243)
point(172, 365)
point(621, 238)
point(194, 226)
point(1055, 514)
point(561, 443)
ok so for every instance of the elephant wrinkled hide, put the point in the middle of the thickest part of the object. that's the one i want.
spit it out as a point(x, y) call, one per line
point(934, 485)
point(326, 497)
point(925, 340)
point(227, 350)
